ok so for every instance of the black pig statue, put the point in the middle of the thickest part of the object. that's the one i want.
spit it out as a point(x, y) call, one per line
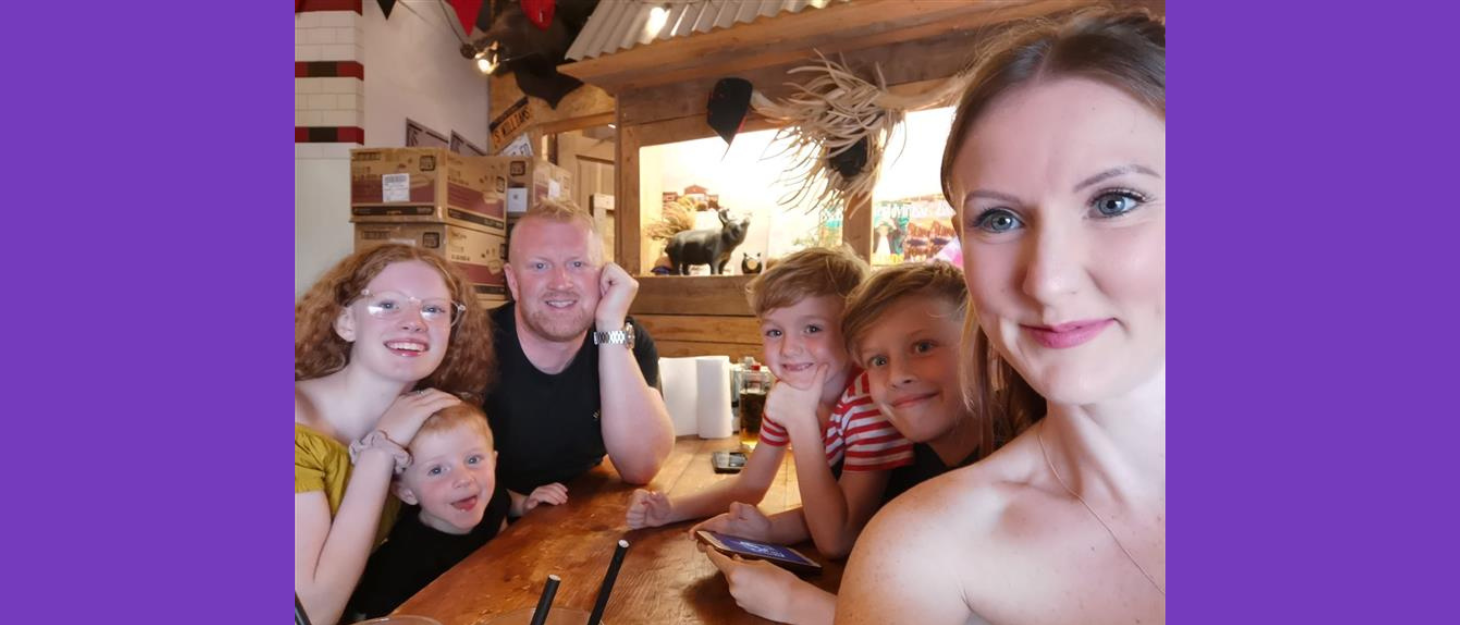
point(707, 247)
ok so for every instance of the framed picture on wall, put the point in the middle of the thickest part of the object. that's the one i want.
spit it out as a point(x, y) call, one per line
point(461, 146)
point(418, 135)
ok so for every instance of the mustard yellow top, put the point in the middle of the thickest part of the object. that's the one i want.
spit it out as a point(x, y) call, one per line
point(323, 463)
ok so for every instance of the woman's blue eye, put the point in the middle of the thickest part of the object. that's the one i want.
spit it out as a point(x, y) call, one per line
point(578, 264)
point(773, 333)
point(434, 471)
point(997, 220)
point(1118, 202)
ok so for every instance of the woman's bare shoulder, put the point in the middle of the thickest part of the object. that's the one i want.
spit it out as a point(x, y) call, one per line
point(925, 549)
point(944, 543)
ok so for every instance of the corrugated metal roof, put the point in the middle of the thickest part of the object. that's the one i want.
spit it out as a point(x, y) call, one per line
point(622, 24)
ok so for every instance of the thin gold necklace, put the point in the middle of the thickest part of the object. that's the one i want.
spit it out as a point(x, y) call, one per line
point(1039, 435)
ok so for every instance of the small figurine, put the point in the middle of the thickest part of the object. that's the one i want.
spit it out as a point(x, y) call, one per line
point(750, 263)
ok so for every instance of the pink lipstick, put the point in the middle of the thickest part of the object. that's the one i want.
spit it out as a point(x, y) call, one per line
point(1067, 335)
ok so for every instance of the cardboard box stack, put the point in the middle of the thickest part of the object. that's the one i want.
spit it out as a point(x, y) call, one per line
point(439, 200)
point(530, 181)
point(479, 256)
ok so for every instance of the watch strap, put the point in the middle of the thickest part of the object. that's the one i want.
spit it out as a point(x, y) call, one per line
point(615, 337)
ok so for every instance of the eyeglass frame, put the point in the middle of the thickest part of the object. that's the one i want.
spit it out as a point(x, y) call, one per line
point(455, 319)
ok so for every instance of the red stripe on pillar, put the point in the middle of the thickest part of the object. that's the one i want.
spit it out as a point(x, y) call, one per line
point(329, 69)
point(350, 69)
point(352, 134)
point(329, 134)
point(331, 5)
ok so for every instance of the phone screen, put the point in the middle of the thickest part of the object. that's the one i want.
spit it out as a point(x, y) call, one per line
point(761, 550)
point(728, 460)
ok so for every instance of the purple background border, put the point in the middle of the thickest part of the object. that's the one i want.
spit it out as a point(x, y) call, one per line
point(154, 149)
point(1303, 423)
point(149, 243)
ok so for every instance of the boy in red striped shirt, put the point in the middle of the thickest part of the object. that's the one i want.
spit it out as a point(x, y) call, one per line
point(842, 444)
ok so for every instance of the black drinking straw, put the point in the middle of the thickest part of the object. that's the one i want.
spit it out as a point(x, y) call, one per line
point(300, 617)
point(545, 602)
point(608, 580)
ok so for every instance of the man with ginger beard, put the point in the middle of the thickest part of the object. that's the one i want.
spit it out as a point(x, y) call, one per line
point(577, 378)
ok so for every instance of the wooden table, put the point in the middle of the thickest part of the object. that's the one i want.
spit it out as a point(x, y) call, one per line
point(664, 578)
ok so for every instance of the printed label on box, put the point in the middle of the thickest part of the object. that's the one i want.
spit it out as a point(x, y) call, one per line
point(517, 200)
point(395, 188)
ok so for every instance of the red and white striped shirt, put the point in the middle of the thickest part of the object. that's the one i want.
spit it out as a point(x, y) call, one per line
point(856, 431)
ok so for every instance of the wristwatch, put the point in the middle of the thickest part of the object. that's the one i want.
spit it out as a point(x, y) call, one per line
point(615, 337)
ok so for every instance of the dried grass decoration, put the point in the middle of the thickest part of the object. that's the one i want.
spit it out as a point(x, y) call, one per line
point(836, 127)
point(676, 217)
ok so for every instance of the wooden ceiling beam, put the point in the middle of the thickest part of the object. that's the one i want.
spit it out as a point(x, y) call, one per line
point(796, 37)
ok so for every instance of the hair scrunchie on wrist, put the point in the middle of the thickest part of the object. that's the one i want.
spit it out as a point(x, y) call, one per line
point(379, 440)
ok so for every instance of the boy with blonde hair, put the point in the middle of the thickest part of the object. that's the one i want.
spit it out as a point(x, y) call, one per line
point(842, 445)
point(903, 326)
point(452, 479)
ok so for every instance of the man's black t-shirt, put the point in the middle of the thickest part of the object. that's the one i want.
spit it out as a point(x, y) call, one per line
point(546, 426)
point(925, 466)
point(415, 555)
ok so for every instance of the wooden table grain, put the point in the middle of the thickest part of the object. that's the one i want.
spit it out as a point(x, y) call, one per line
point(664, 578)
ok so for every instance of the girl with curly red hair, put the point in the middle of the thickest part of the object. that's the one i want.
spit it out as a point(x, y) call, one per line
point(385, 339)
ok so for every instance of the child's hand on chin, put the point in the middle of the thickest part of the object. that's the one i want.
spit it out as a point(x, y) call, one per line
point(794, 406)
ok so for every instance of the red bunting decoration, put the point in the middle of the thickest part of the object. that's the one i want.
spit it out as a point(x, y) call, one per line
point(540, 12)
point(466, 13)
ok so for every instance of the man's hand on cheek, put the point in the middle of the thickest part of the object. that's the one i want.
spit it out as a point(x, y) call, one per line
point(616, 293)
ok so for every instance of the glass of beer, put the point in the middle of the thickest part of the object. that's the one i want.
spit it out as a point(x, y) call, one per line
point(752, 408)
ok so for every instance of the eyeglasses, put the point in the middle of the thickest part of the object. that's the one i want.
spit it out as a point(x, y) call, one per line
point(390, 305)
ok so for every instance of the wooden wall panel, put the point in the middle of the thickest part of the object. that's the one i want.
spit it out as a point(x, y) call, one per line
point(702, 328)
point(691, 295)
point(583, 107)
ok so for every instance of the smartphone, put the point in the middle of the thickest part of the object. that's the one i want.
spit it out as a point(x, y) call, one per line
point(728, 461)
point(784, 557)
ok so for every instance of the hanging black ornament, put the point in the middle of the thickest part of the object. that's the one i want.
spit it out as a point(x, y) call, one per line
point(851, 161)
point(729, 103)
